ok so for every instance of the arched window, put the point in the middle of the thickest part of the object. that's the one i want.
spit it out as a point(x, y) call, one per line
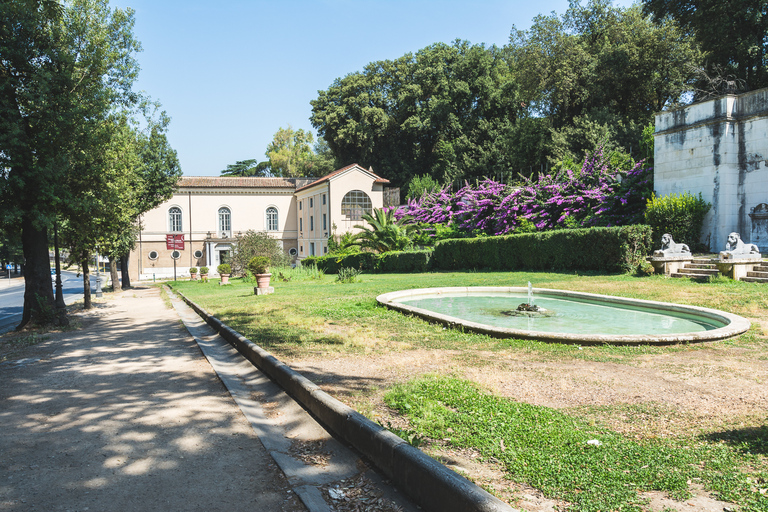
point(355, 204)
point(272, 224)
point(174, 218)
point(225, 221)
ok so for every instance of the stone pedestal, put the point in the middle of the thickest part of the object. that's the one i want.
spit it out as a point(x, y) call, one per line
point(264, 291)
point(737, 268)
point(669, 264)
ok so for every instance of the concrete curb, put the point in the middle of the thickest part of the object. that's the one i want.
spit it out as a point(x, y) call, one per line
point(431, 485)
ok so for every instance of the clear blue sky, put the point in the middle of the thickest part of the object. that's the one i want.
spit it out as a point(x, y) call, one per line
point(230, 73)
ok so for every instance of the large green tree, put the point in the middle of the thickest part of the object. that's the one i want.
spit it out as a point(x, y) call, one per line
point(732, 33)
point(64, 66)
point(443, 111)
point(289, 151)
point(597, 74)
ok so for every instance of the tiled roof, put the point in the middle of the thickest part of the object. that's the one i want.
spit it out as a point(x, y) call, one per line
point(339, 171)
point(235, 182)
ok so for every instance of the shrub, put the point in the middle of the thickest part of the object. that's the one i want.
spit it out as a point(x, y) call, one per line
point(348, 275)
point(258, 265)
point(193, 270)
point(603, 249)
point(394, 261)
point(599, 193)
point(224, 268)
point(680, 215)
point(256, 243)
point(419, 185)
point(203, 270)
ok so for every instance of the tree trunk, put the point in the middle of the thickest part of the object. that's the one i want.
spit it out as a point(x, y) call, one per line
point(86, 282)
point(39, 306)
point(124, 270)
point(113, 275)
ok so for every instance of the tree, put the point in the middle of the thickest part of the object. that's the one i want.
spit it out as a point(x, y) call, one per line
point(255, 243)
point(598, 74)
point(250, 167)
point(443, 111)
point(63, 68)
point(384, 233)
point(732, 33)
point(289, 152)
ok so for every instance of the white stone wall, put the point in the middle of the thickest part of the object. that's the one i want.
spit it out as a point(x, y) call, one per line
point(718, 148)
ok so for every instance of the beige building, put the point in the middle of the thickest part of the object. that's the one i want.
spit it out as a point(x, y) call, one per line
point(197, 226)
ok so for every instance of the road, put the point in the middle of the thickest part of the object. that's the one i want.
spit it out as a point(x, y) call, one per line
point(12, 296)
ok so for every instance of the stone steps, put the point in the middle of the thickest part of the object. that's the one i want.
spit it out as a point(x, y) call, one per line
point(698, 270)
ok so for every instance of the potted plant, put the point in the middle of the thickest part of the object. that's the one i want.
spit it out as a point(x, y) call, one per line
point(259, 266)
point(224, 271)
point(204, 274)
point(193, 273)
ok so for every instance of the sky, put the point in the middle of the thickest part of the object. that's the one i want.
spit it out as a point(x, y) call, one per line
point(231, 73)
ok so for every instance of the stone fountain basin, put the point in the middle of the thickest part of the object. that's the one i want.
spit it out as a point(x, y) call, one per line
point(723, 324)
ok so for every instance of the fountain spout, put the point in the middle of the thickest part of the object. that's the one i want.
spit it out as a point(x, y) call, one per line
point(530, 294)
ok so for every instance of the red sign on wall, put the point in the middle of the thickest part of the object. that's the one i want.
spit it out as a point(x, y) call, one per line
point(174, 242)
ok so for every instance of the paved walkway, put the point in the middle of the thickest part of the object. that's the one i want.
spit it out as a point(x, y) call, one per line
point(125, 413)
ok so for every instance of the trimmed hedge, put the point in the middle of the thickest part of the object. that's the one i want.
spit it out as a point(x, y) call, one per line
point(616, 249)
point(395, 261)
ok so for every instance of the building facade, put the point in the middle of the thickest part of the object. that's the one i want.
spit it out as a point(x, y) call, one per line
point(198, 226)
point(719, 148)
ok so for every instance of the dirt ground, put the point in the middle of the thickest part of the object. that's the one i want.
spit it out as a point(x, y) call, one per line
point(123, 412)
point(717, 388)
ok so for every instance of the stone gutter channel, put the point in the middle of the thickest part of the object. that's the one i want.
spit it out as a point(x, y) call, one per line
point(431, 485)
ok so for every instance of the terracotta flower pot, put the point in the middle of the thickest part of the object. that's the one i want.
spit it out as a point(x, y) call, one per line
point(193, 277)
point(225, 278)
point(262, 280)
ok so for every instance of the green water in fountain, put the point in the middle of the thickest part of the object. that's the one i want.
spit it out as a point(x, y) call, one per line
point(571, 316)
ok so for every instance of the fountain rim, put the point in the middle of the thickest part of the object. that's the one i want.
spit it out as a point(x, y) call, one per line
point(734, 324)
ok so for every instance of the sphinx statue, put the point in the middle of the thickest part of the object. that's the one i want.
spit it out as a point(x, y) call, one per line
point(671, 248)
point(737, 249)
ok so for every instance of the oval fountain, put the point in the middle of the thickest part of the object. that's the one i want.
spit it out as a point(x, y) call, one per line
point(565, 316)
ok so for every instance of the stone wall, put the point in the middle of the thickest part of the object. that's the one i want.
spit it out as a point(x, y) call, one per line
point(719, 148)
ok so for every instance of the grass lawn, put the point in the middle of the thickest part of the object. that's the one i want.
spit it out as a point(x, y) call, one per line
point(693, 419)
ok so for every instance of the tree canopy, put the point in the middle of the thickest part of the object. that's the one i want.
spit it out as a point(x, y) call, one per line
point(67, 151)
point(733, 35)
point(592, 76)
point(443, 111)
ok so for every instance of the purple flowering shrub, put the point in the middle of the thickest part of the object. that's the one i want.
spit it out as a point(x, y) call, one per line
point(595, 195)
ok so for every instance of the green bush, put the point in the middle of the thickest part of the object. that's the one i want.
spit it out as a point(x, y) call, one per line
point(224, 268)
point(680, 215)
point(203, 270)
point(394, 261)
point(193, 270)
point(348, 275)
point(615, 249)
point(259, 265)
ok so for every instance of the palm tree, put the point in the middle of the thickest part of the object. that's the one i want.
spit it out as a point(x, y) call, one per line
point(385, 233)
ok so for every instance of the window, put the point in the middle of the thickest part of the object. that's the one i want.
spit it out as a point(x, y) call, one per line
point(325, 222)
point(311, 204)
point(225, 221)
point(174, 218)
point(355, 204)
point(325, 249)
point(272, 219)
point(311, 248)
point(323, 198)
point(311, 223)
point(301, 224)
point(301, 204)
point(153, 255)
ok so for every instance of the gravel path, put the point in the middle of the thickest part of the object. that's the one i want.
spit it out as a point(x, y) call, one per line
point(125, 414)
